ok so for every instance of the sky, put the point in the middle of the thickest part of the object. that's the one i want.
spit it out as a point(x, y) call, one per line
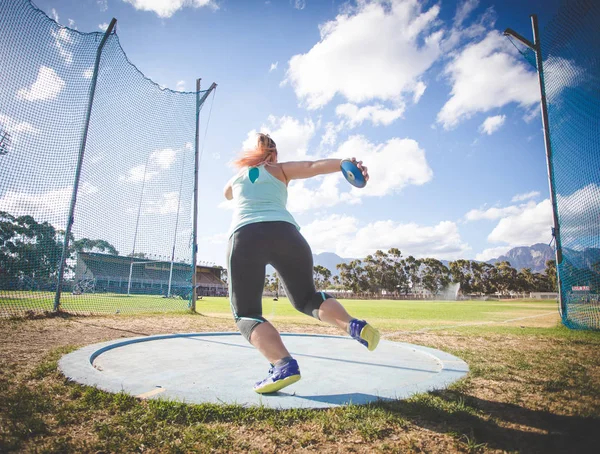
point(430, 95)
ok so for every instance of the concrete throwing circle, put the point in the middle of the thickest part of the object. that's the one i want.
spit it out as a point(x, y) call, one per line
point(223, 367)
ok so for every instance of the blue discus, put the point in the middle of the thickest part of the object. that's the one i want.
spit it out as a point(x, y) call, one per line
point(353, 174)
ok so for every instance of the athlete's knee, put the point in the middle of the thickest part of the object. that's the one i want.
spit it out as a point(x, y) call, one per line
point(311, 307)
point(247, 324)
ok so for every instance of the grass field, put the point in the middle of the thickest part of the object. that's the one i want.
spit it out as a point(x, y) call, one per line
point(533, 385)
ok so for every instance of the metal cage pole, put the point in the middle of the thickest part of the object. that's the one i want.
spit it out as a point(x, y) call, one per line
point(199, 103)
point(536, 46)
point(70, 219)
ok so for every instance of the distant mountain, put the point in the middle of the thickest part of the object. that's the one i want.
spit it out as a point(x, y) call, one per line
point(329, 260)
point(534, 257)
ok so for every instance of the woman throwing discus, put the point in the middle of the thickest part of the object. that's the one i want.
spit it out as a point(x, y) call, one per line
point(264, 232)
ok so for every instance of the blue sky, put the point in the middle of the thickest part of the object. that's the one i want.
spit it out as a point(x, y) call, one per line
point(430, 95)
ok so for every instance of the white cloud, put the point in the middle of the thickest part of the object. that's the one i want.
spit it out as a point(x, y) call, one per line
point(376, 114)
point(346, 237)
point(157, 161)
point(299, 4)
point(492, 253)
point(273, 66)
point(137, 174)
point(485, 76)
point(419, 91)
point(47, 86)
point(102, 4)
point(377, 50)
point(43, 207)
point(560, 73)
point(392, 165)
point(291, 136)
point(72, 24)
point(525, 196)
point(531, 225)
point(103, 26)
point(493, 213)
point(54, 15)
point(578, 216)
point(15, 127)
point(331, 131)
point(163, 158)
point(463, 10)
point(492, 124)
point(180, 86)
point(301, 198)
point(166, 8)
point(169, 203)
point(62, 41)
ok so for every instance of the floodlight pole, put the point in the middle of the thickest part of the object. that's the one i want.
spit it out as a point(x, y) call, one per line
point(537, 48)
point(199, 103)
point(65, 250)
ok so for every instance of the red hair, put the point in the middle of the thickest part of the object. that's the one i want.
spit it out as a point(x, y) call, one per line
point(265, 151)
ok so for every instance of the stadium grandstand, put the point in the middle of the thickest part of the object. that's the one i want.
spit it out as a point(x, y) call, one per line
point(119, 274)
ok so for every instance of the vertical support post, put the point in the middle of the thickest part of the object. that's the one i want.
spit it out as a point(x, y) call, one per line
point(548, 145)
point(195, 208)
point(199, 103)
point(70, 219)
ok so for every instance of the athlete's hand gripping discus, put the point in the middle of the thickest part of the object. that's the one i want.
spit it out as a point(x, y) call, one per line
point(352, 173)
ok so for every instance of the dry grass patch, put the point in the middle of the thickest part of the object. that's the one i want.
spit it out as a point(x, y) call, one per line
point(529, 390)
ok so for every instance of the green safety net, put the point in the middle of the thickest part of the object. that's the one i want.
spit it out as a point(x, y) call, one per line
point(130, 246)
point(571, 72)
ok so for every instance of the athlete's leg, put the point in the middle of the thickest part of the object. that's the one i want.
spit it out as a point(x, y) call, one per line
point(294, 263)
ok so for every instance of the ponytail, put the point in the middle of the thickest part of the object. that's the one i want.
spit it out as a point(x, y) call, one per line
point(265, 152)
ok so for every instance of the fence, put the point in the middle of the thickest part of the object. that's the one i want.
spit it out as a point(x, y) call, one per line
point(97, 165)
point(569, 69)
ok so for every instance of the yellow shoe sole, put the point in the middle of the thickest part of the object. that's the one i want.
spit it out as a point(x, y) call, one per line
point(279, 384)
point(371, 336)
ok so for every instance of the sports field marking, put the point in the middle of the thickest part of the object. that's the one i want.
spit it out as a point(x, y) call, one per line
point(422, 330)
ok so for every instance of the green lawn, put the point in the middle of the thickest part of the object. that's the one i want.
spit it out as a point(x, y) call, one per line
point(386, 314)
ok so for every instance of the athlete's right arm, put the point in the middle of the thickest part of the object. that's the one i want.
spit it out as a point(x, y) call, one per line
point(296, 170)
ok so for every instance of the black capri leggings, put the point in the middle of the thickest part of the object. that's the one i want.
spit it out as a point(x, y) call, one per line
point(281, 245)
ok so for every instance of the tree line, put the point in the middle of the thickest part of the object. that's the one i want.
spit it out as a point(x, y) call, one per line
point(30, 249)
point(395, 274)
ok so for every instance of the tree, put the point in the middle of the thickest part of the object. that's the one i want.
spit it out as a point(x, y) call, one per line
point(411, 267)
point(353, 276)
point(526, 281)
point(550, 273)
point(460, 270)
point(381, 272)
point(435, 276)
point(28, 248)
point(87, 245)
point(506, 277)
point(321, 276)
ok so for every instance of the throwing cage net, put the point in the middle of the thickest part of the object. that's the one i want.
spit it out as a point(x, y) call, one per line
point(570, 52)
point(84, 133)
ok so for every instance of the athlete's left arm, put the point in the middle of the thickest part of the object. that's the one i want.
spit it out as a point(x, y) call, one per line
point(228, 191)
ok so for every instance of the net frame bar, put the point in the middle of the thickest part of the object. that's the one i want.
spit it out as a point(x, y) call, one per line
point(536, 47)
point(84, 136)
